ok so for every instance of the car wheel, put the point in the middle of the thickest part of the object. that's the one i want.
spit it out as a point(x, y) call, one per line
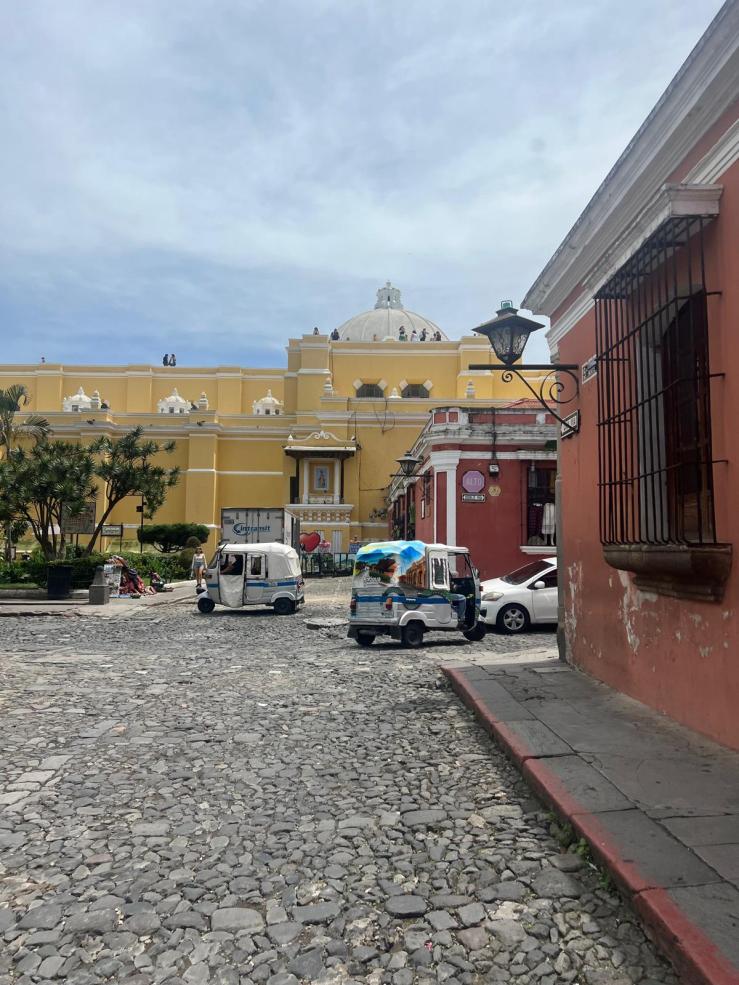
point(365, 639)
point(284, 607)
point(476, 634)
point(206, 604)
point(411, 635)
point(513, 618)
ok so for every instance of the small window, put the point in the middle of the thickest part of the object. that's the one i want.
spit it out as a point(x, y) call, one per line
point(232, 564)
point(415, 391)
point(267, 411)
point(549, 579)
point(439, 572)
point(255, 566)
point(370, 391)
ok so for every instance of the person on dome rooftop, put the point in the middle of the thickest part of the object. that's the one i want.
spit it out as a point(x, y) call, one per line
point(335, 335)
point(402, 337)
point(414, 336)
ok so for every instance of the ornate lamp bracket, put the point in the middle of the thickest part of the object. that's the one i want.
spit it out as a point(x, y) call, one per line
point(551, 390)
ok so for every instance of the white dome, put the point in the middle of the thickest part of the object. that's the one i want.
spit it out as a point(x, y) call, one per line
point(384, 321)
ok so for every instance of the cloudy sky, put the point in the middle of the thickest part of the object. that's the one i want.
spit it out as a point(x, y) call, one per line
point(215, 176)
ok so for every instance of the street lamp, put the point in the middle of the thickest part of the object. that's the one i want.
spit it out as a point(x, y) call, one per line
point(508, 334)
point(407, 464)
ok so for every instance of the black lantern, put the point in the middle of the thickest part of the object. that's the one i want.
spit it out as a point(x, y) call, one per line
point(508, 333)
point(408, 463)
point(553, 384)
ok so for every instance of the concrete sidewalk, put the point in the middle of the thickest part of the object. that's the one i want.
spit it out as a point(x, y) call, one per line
point(658, 804)
point(77, 604)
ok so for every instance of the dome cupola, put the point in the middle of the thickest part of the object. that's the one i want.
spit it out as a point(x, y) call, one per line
point(385, 321)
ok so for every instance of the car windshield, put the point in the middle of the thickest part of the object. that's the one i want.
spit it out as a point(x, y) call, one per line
point(520, 575)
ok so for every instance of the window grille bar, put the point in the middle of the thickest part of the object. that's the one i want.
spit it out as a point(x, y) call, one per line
point(655, 457)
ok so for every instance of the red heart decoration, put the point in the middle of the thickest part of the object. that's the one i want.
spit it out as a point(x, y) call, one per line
point(309, 542)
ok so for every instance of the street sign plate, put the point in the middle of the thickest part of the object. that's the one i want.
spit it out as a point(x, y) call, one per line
point(570, 425)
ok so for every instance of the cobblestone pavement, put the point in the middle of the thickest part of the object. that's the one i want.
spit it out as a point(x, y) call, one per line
point(235, 798)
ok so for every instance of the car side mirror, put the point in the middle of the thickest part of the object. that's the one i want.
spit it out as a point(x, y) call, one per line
point(538, 585)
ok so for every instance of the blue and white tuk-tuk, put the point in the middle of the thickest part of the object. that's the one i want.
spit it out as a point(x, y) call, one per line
point(254, 574)
point(405, 588)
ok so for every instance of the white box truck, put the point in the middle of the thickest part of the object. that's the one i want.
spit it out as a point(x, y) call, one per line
point(260, 525)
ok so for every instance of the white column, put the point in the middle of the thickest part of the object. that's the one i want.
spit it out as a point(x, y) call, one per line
point(306, 475)
point(446, 462)
point(337, 480)
point(451, 507)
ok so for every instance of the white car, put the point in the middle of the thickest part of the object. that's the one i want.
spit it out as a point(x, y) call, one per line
point(525, 596)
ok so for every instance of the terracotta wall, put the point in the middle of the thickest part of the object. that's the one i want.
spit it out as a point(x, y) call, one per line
point(678, 656)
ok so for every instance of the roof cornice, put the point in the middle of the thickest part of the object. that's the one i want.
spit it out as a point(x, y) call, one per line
point(704, 87)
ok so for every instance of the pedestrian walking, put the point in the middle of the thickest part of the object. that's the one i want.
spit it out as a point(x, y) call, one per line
point(198, 567)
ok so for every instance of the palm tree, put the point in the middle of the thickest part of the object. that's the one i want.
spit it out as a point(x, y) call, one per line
point(34, 427)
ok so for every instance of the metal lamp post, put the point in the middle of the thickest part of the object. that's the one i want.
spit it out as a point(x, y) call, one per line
point(508, 334)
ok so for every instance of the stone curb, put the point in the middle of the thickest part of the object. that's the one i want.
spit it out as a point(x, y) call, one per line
point(695, 957)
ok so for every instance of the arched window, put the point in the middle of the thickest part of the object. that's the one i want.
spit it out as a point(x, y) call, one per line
point(415, 390)
point(370, 390)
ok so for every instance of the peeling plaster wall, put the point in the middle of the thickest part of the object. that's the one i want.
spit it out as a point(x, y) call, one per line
point(679, 656)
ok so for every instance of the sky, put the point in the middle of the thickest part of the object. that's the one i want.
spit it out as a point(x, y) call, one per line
point(213, 177)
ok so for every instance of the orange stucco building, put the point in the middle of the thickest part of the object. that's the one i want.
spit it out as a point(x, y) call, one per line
point(643, 295)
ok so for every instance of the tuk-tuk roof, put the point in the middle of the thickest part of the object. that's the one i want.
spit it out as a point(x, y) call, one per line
point(268, 548)
point(405, 548)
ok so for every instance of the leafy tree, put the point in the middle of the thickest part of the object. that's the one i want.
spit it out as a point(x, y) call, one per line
point(12, 400)
point(39, 483)
point(126, 468)
point(168, 537)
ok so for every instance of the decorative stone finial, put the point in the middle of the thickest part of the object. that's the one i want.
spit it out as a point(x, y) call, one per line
point(203, 401)
point(470, 391)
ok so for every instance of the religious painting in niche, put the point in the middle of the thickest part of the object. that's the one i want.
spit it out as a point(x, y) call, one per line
point(320, 478)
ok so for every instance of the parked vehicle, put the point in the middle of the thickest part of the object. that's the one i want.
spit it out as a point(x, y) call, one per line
point(405, 588)
point(525, 596)
point(254, 574)
point(259, 525)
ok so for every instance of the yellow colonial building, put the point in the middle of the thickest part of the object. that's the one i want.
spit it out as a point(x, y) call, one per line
point(320, 435)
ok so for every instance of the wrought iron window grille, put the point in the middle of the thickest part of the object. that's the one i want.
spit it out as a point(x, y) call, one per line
point(655, 455)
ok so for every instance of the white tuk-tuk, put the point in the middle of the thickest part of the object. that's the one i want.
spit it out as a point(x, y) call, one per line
point(254, 574)
point(405, 588)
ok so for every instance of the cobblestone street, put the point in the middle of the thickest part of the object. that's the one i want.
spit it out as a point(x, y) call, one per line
point(236, 798)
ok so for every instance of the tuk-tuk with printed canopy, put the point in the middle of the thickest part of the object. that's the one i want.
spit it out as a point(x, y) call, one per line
point(405, 588)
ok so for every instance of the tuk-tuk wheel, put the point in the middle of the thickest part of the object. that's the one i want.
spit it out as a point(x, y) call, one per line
point(412, 635)
point(365, 639)
point(284, 607)
point(476, 634)
point(206, 604)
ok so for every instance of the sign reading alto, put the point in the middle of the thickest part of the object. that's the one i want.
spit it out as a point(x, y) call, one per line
point(473, 483)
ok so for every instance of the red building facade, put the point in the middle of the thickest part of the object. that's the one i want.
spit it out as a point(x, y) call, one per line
point(643, 294)
point(484, 480)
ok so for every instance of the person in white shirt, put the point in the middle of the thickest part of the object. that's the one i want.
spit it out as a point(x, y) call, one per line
point(414, 336)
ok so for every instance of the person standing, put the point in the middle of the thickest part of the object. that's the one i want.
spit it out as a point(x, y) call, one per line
point(165, 359)
point(198, 567)
point(173, 360)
